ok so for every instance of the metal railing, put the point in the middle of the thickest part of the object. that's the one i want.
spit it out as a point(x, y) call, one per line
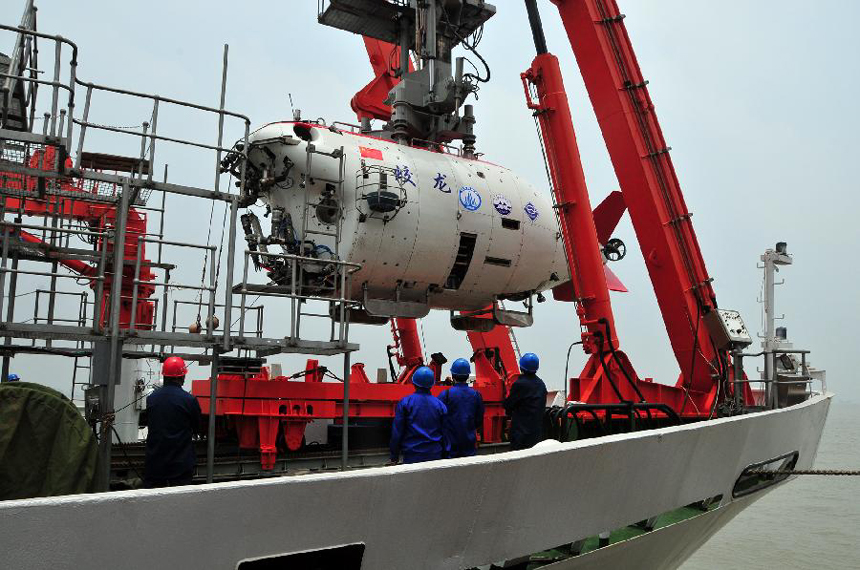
point(257, 311)
point(380, 185)
point(296, 290)
point(11, 80)
point(10, 231)
point(793, 377)
point(149, 133)
point(47, 190)
point(24, 56)
point(211, 288)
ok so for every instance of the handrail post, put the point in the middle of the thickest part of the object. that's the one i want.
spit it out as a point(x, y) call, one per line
point(231, 255)
point(210, 436)
point(134, 286)
point(58, 53)
point(244, 293)
point(73, 72)
point(152, 139)
point(100, 284)
point(84, 120)
point(294, 331)
point(103, 470)
point(342, 327)
point(221, 120)
point(7, 235)
point(344, 441)
point(142, 159)
point(213, 285)
point(737, 385)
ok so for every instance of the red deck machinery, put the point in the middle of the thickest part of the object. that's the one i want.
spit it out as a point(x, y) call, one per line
point(260, 406)
point(81, 204)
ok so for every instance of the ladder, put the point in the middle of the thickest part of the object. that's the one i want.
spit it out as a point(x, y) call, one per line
point(86, 377)
point(511, 334)
point(336, 197)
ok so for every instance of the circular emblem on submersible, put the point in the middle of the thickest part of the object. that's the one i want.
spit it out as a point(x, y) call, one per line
point(502, 205)
point(469, 198)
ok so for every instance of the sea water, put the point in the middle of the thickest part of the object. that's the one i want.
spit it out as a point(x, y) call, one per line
point(811, 522)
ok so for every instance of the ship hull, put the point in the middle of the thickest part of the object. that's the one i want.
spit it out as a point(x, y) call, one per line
point(662, 549)
point(456, 513)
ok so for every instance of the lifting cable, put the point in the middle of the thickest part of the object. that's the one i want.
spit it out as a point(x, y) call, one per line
point(615, 357)
point(206, 255)
point(689, 380)
point(600, 354)
point(122, 446)
point(205, 263)
point(476, 35)
point(423, 341)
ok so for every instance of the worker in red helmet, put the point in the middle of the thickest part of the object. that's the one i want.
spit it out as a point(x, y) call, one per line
point(173, 417)
point(417, 428)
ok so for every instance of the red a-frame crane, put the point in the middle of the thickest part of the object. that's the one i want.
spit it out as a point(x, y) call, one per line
point(651, 191)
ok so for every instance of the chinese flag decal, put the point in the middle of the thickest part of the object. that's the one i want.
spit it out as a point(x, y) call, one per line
point(370, 152)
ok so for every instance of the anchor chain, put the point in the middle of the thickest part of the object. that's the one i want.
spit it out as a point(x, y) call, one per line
point(838, 472)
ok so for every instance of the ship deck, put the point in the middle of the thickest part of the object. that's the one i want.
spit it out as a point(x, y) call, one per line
point(481, 509)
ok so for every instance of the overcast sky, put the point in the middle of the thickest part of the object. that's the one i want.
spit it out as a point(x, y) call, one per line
point(756, 99)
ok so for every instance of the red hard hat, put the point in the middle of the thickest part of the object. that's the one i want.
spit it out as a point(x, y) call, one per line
point(174, 367)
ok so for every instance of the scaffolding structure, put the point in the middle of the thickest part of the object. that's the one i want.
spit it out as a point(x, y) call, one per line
point(85, 215)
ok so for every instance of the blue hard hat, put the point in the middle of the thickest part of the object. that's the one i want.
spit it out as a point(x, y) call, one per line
point(461, 367)
point(12, 378)
point(529, 362)
point(423, 377)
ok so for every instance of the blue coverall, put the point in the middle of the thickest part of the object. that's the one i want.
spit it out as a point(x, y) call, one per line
point(417, 428)
point(173, 416)
point(465, 415)
point(525, 404)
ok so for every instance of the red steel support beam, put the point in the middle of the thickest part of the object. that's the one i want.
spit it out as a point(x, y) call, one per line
point(571, 196)
point(647, 178)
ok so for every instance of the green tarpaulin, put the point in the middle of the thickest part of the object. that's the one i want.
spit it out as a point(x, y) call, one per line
point(46, 446)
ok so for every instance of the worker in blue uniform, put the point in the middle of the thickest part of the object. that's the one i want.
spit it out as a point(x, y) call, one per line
point(526, 403)
point(173, 417)
point(417, 428)
point(465, 412)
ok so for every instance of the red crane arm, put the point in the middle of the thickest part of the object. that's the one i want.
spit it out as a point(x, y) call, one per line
point(368, 103)
point(647, 178)
point(574, 208)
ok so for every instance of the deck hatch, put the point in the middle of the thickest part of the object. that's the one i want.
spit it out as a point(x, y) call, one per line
point(462, 261)
point(347, 557)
